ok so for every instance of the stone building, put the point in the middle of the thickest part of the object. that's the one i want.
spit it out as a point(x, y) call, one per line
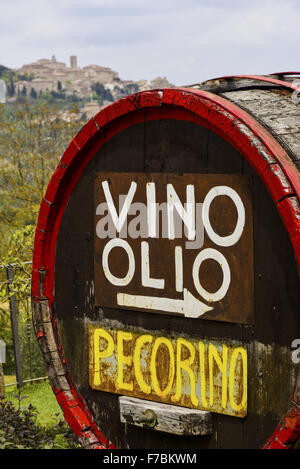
point(100, 74)
point(48, 72)
point(51, 75)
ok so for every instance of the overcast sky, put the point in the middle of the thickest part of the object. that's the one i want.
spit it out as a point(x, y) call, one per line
point(185, 40)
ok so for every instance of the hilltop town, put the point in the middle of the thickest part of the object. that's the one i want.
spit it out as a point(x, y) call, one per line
point(95, 84)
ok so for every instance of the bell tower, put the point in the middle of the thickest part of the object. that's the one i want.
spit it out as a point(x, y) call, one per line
point(73, 61)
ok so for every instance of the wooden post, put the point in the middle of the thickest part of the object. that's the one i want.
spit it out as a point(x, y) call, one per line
point(2, 384)
point(14, 326)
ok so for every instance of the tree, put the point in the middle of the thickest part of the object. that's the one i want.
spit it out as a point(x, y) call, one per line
point(24, 91)
point(59, 87)
point(3, 69)
point(131, 88)
point(32, 139)
point(33, 93)
point(8, 76)
point(102, 92)
point(19, 247)
point(25, 77)
point(11, 89)
point(98, 88)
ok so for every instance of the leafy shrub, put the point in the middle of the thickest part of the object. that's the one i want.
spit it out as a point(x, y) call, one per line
point(19, 430)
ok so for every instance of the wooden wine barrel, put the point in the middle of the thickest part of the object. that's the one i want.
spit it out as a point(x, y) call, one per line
point(159, 338)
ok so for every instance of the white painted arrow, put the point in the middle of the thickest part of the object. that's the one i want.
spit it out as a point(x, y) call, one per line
point(190, 306)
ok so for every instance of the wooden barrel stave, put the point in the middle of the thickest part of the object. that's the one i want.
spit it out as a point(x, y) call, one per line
point(276, 111)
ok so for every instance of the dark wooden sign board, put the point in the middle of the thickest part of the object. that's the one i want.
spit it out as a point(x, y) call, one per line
point(158, 271)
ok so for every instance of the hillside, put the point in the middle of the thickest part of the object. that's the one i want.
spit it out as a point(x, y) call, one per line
point(91, 87)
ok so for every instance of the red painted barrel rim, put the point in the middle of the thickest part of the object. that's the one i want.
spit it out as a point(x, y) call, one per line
point(253, 141)
point(261, 78)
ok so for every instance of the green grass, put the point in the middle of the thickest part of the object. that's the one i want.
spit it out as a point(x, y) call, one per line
point(39, 395)
point(8, 379)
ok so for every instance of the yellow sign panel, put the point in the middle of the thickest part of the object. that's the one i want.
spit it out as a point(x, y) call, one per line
point(204, 375)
